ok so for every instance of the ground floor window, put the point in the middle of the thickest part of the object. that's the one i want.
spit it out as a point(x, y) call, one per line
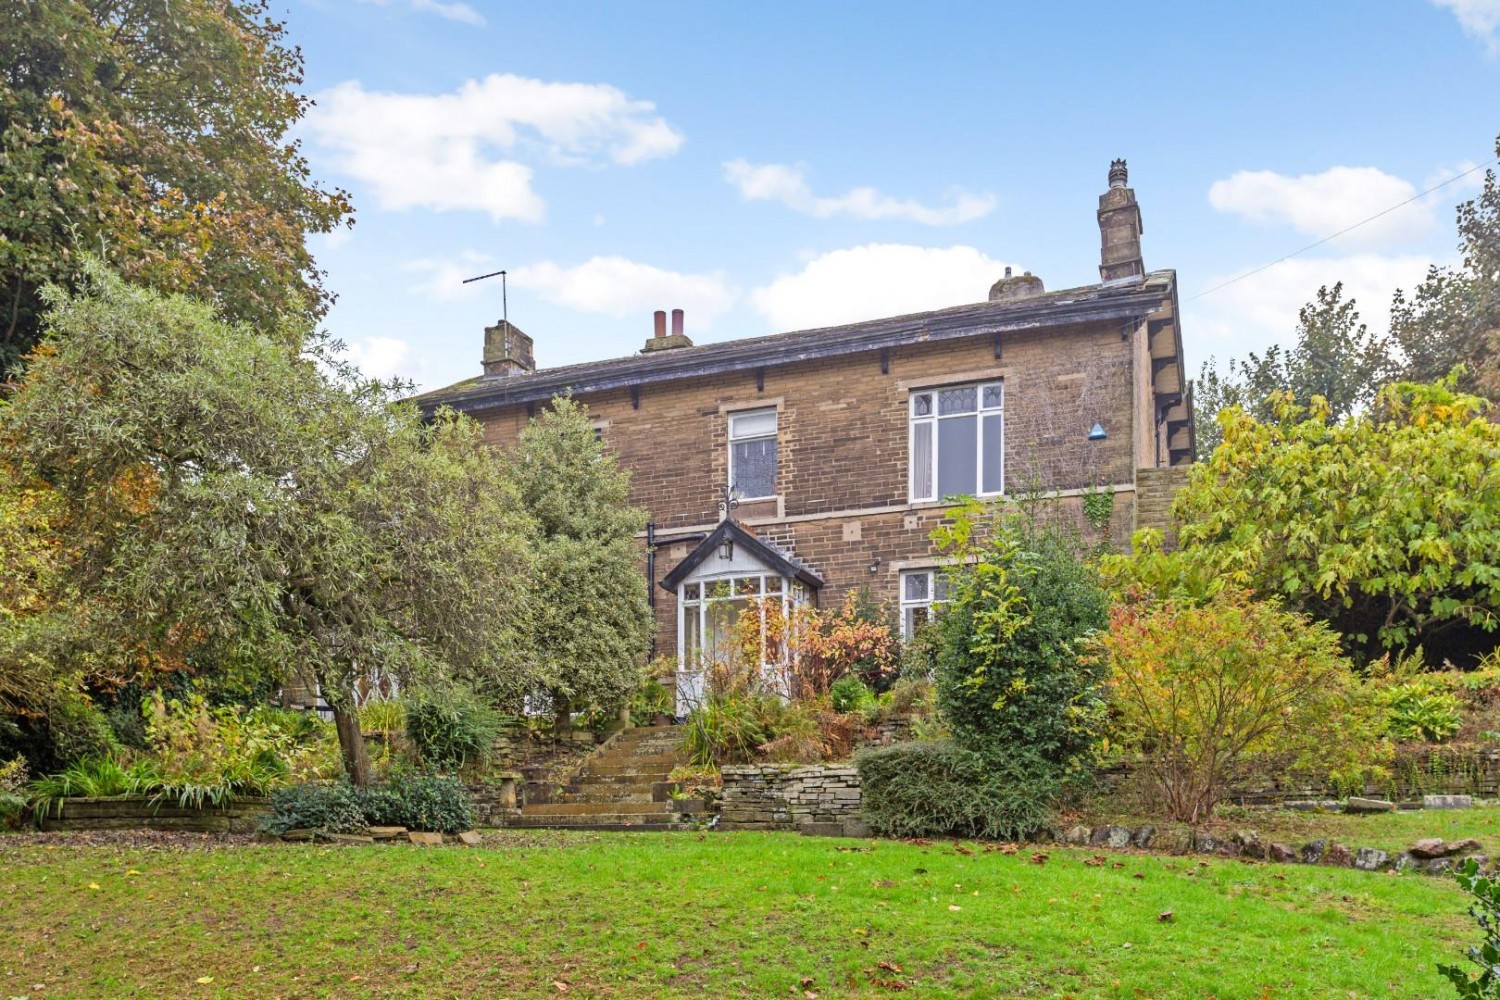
point(708, 611)
point(923, 594)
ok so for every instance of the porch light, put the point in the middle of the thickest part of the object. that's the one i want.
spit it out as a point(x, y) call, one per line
point(726, 548)
point(1097, 432)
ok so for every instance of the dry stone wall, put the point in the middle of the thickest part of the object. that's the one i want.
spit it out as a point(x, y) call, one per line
point(821, 799)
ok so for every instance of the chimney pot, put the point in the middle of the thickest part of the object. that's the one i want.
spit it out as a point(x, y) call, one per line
point(663, 342)
point(1009, 288)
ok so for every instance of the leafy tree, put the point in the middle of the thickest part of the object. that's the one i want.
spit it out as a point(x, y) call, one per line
point(1335, 357)
point(1452, 319)
point(1386, 525)
point(1012, 680)
point(1231, 689)
point(155, 132)
point(229, 501)
point(592, 623)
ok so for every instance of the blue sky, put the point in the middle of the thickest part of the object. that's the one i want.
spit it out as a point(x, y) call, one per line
point(778, 166)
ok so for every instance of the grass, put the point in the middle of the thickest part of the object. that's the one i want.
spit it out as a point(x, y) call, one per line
point(1393, 831)
point(722, 914)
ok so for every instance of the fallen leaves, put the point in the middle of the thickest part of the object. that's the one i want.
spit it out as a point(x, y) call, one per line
point(1040, 858)
point(1165, 917)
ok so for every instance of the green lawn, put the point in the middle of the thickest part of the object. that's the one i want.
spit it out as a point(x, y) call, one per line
point(721, 914)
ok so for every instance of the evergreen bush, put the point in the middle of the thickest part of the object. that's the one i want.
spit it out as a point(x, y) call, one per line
point(939, 790)
point(452, 728)
point(419, 802)
point(321, 808)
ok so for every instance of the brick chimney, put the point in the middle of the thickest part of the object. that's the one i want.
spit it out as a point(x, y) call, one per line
point(661, 341)
point(1119, 229)
point(507, 351)
point(1008, 288)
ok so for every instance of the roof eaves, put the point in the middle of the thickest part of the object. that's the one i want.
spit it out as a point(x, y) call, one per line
point(1092, 303)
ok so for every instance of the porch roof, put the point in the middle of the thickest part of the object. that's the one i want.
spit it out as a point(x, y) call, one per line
point(764, 552)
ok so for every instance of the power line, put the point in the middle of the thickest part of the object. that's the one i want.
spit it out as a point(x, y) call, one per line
point(1349, 229)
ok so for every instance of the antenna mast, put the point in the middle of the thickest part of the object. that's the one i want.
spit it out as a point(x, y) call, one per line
point(504, 294)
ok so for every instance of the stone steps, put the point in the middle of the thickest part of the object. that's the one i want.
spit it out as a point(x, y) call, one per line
point(618, 787)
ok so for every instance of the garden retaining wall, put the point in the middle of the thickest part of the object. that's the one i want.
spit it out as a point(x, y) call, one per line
point(139, 812)
point(820, 799)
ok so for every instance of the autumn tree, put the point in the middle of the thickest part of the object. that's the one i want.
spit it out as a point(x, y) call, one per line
point(231, 500)
point(155, 133)
point(1386, 525)
point(1230, 690)
point(591, 620)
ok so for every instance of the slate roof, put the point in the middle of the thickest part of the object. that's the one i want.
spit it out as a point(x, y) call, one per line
point(768, 554)
point(1121, 300)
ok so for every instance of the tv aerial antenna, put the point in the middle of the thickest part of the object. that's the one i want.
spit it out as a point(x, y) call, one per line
point(504, 297)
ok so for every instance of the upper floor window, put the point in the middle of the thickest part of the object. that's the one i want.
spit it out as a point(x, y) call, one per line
point(958, 441)
point(752, 453)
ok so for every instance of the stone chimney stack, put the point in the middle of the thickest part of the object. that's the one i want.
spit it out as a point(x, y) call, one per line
point(1119, 229)
point(661, 341)
point(1008, 288)
point(507, 351)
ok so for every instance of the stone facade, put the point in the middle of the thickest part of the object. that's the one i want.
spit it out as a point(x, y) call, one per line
point(1105, 356)
point(821, 799)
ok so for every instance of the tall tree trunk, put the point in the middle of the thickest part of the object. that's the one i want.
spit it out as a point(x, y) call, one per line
point(352, 742)
point(562, 726)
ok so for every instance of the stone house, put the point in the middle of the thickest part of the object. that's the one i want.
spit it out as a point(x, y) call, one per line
point(839, 449)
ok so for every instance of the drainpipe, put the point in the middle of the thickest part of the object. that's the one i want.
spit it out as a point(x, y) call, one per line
point(651, 579)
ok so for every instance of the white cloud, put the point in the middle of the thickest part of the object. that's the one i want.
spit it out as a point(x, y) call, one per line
point(878, 279)
point(381, 357)
point(463, 150)
point(615, 286)
point(460, 12)
point(788, 185)
point(1319, 205)
point(1262, 309)
point(1479, 18)
point(443, 280)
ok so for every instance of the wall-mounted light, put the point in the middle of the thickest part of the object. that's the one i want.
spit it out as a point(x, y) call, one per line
point(1097, 432)
point(726, 548)
point(875, 565)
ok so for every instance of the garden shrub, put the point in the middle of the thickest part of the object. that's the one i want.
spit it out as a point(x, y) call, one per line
point(12, 792)
point(384, 716)
point(1421, 709)
point(1012, 680)
point(850, 694)
point(419, 802)
point(1210, 695)
point(1484, 890)
point(452, 728)
point(938, 789)
point(78, 729)
point(322, 808)
point(737, 728)
point(651, 697)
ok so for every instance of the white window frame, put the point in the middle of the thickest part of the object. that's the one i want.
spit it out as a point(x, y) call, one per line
point(931, 601)
point(934, 420)
point(694, 598)
point(735, 439)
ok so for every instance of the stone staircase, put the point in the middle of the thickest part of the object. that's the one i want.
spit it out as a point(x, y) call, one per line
point(621, 786)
